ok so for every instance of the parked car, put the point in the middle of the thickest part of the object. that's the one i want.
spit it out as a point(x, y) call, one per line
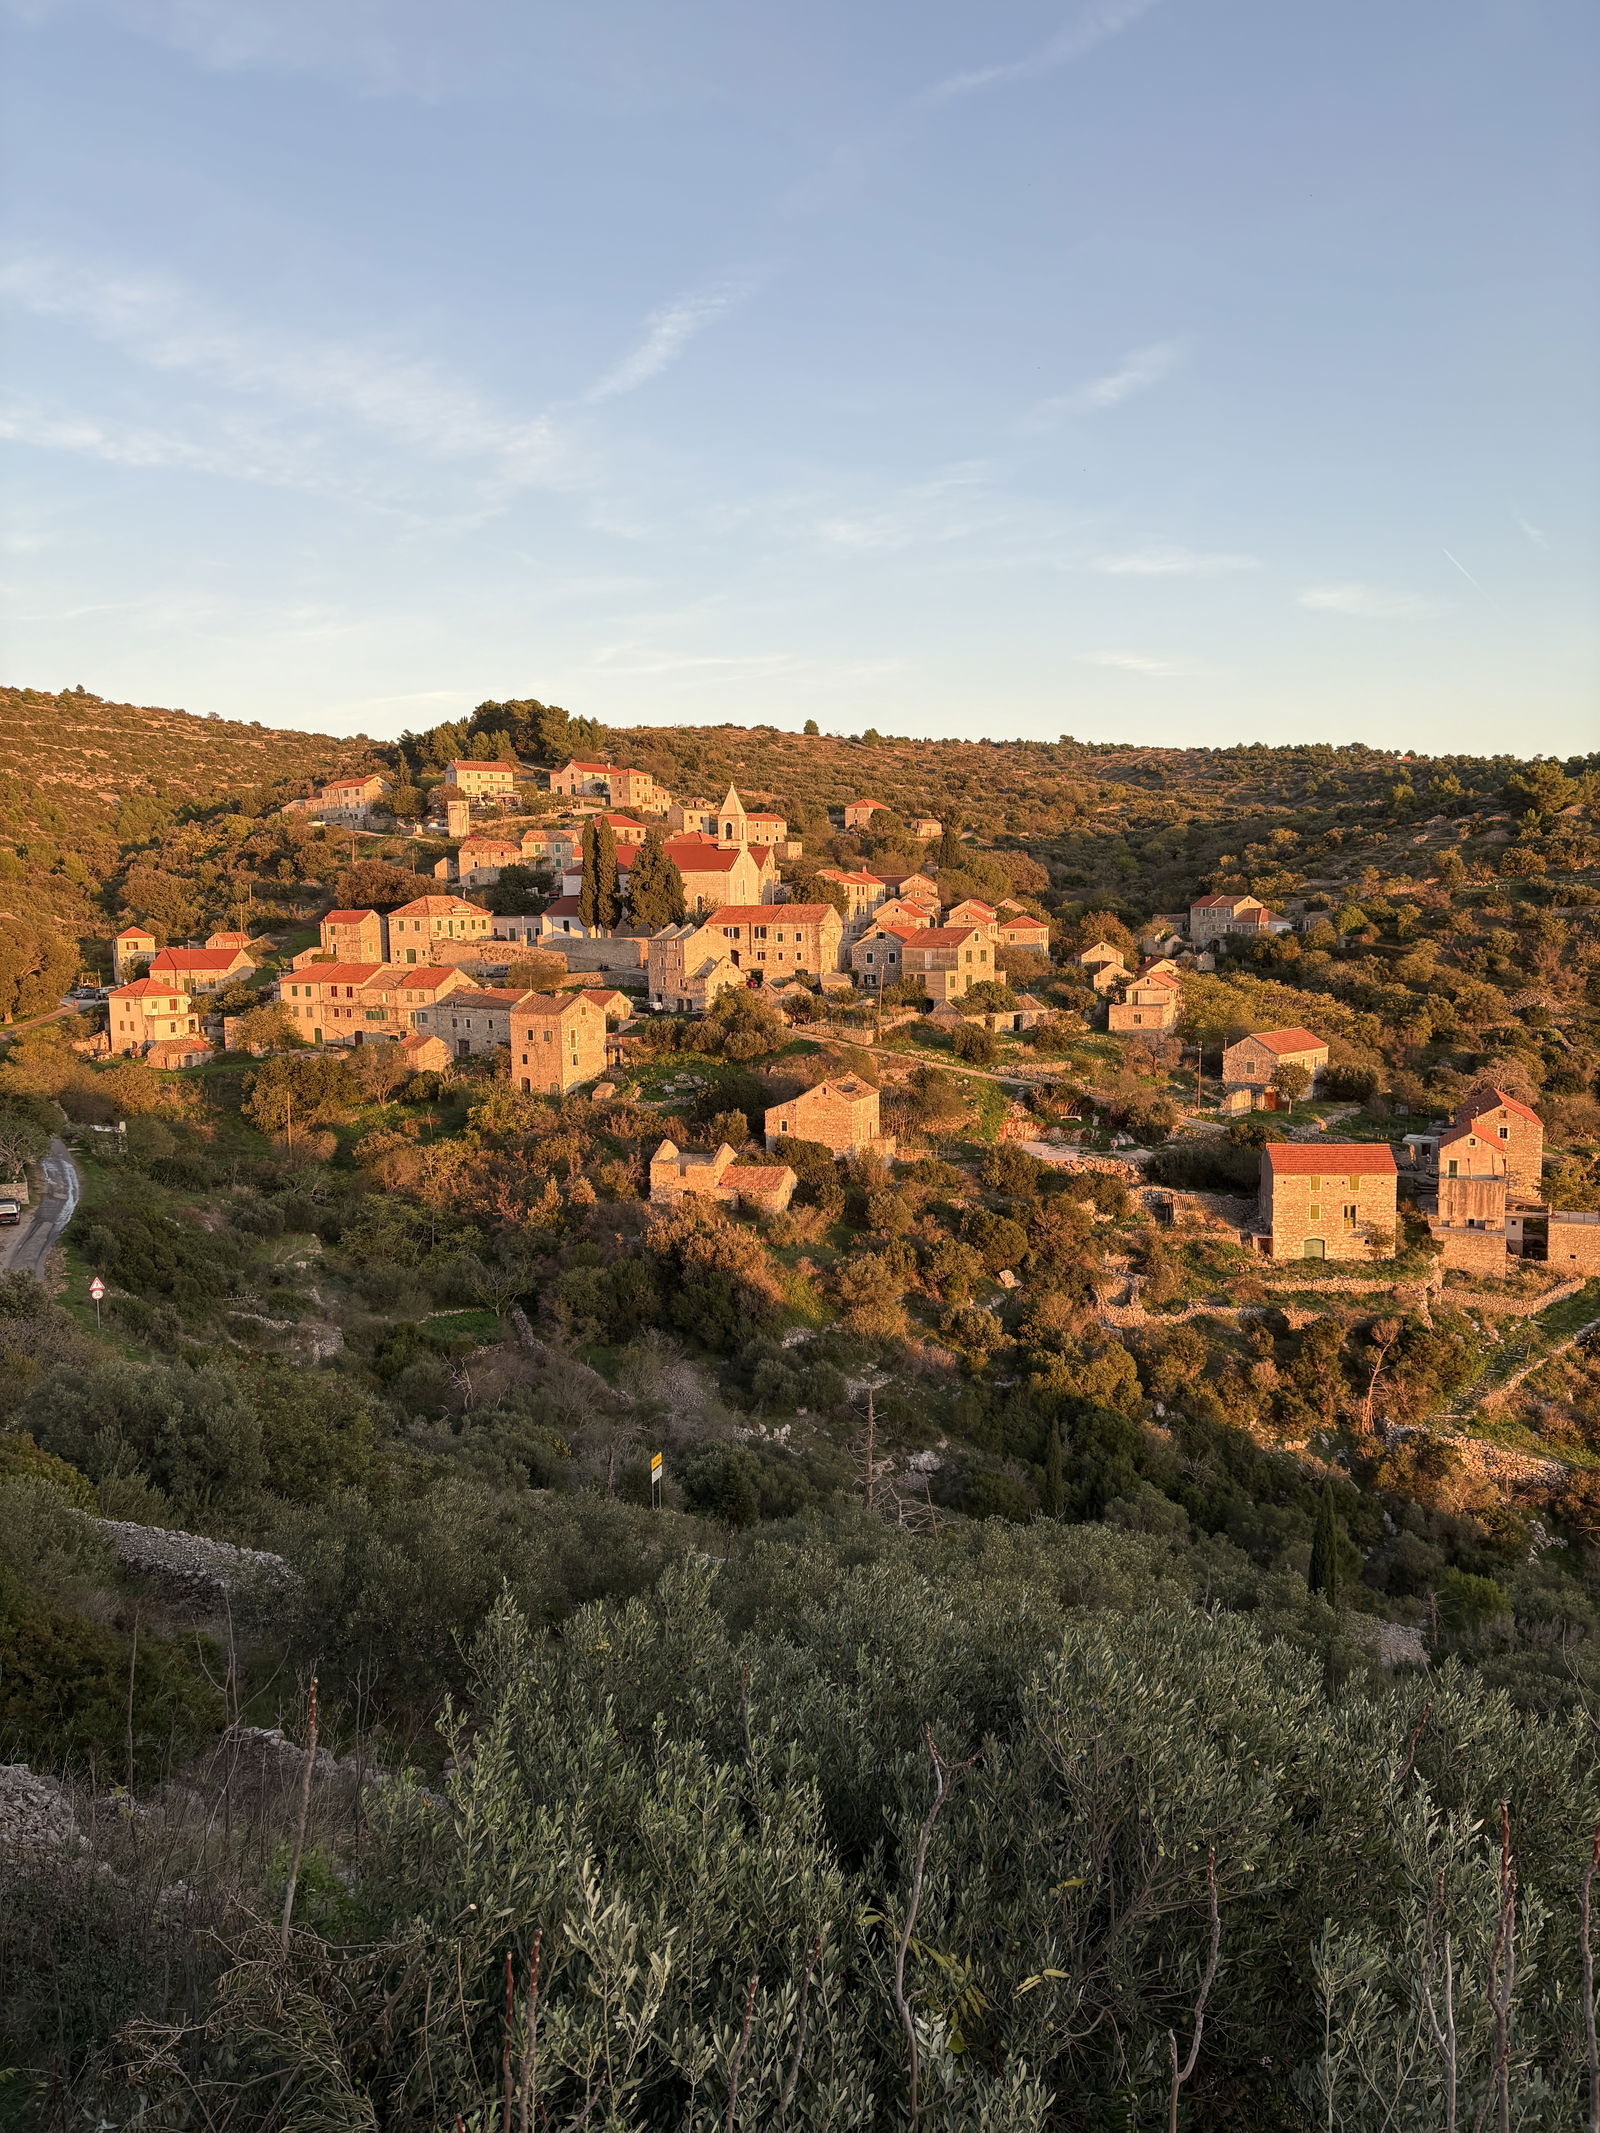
point(10, 1214)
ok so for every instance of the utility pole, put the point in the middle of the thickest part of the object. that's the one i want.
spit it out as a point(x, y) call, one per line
point(288, 1122)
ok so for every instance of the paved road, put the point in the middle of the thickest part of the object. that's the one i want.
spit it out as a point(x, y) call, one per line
point(27, 1248)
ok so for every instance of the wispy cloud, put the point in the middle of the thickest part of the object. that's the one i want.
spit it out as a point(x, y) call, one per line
point(1144, 367)
point(1139, 663)
point(1375, 603)
point(1536, 534)
point(667, 333)
point(1172, 563)
point(1094, 25)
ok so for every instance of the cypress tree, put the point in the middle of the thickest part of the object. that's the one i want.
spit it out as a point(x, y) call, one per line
point(655, 887)
point(589, 887)
point(1326, 1535)
point(608, 889)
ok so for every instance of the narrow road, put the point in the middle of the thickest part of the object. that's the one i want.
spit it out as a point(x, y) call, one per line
point(27, 1248)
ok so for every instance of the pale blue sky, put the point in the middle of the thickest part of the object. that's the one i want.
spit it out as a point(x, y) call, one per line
point(1176, 370)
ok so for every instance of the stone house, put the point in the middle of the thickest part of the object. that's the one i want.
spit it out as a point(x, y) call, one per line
point(1150, 1002)
point(1252, 1062)
point(1105, 966)
point(858, 814)
point(173, 1054)
point(417, 928)
point(471, 1024)
point(973, 911)
point(614, 783)
point(1328, 1200)
point(864, 892)
point(355, 936)
point(947, 960)
point(555, 846)
point(478, 861)
point(876, 960)
point(198, 970)
point(482, 782)
point(1516, 1130)
point(349, 803)
point(905, 911)
point(687, 1173)
point(1016, 928)
point(310, 993)
point(131, 952)
point(925, 828)
point(1216, 918)
point(147, 1011)
point(916, 888)
point(690, 966)
point(776, 940)
point(842, 1114)
point(558, 1039)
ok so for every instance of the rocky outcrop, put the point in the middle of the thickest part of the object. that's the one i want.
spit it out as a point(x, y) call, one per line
point(36, 1817)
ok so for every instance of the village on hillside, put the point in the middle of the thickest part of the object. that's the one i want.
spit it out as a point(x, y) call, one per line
point(662, 906)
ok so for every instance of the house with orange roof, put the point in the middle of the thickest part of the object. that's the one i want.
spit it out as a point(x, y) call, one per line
point(131, 951)
point(477, 861)
point(710, 874)
point(1016, 928)
point(973, 911)
point(1216, 918)
point(858, 814)
point(864, 891)
point(777, 940)
point(481, 782)
point(1327, 1200)
point(1253, 1061)
point(321, 997)
point(195, 970)
point(147, 1011)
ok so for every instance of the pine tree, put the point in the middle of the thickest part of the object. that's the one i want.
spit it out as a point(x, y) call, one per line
point(655, 887)
point(1053, 1493)
point(950, 853)
point(1326, 1536)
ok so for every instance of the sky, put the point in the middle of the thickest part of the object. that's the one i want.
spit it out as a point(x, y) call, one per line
point(1176, 371)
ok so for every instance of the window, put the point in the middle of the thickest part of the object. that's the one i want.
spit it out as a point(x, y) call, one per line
point(1350, 1212)
point(1505, 1133)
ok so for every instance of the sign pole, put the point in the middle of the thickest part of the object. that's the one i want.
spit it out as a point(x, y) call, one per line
point(97, 1289)
point(655, 1481)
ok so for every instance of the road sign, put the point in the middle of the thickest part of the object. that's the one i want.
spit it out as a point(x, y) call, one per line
point(655, 1481)
point(655, 1466)
point(97, 1288)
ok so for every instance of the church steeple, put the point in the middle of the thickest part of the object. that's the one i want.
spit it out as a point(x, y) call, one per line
point(731, 827)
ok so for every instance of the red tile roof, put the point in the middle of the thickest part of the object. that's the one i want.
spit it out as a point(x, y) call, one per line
point(1286, 1040)
point(778, 914)
point(143, 988)
point(1330, 1159)
point(946, 936)
point(336, 973)
point(1491, 1099)
point(434, 907)
point(348, 918)
point(194, 959)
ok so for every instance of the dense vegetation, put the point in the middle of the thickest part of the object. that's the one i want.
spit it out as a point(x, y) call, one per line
point(1077, 1674)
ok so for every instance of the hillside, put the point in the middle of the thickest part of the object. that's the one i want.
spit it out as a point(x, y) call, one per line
point(1054, 1619)
point(70, 759)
